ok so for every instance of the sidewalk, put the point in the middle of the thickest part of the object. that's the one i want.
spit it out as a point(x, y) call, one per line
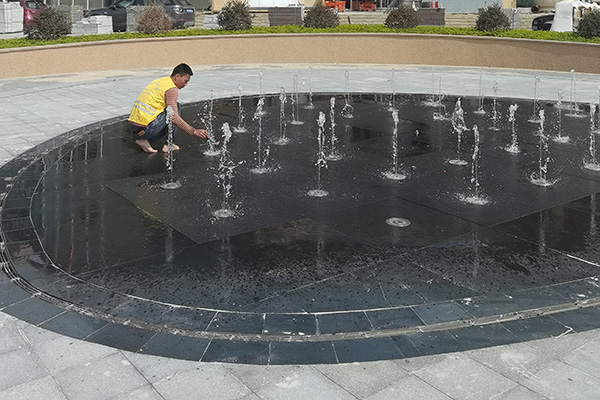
point(36, 363)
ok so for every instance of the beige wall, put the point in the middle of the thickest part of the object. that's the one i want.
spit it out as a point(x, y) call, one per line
point(394, 49)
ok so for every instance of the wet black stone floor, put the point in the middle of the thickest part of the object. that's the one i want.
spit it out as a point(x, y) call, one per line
point(94, 248)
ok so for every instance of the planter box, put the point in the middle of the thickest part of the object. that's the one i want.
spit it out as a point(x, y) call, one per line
point(432, 16)
point(286, 16)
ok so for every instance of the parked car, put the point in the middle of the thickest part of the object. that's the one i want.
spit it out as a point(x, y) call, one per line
point(543, 23)
point(31, 8)
point(181, 13)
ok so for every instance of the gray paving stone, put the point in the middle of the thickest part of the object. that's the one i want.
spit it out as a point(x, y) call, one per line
point(155, 368)
point(65, 352)
point(38, 389)
point(259, 376)
point(18, 367)
point(516, 362)
point(363, 379)
point(561, 381)
point(586, 358)
point(418, 363)
point(11, 337)
point(461, 378)
point(205, 381)
point(409, 388)
point(521, 393)
point(101, 379)
point(144, 393)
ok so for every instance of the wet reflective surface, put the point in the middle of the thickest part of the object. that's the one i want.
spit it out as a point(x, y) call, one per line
point(94, 248)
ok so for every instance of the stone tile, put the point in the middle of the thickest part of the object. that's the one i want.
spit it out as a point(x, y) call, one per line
point(205, 381)
point(39, 389)
point(104, 378)
point(144, 393)
point(11, 337)
point(561, 381)
point(516, 362)
point(156, 368)
point(65, 352)
point(586, 358)
point(258, 376)
point(363, 379)
point(20, 366)
point(460, 377)
point(409, 388)
point(415, 364)
point(521, 393)
point(561, 346)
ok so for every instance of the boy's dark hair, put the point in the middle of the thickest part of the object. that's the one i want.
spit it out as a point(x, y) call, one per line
point(182, 69)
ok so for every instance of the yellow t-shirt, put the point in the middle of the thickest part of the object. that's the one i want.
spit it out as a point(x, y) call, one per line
point(151, 102)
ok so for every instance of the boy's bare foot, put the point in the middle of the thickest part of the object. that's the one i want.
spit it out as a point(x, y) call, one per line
point(165, 148)
point(145, 145)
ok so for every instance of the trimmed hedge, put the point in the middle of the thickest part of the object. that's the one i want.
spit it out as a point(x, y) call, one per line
point(437, 30)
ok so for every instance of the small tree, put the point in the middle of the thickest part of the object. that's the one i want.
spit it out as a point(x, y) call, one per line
point(50, 24)
point(235, 16)
point(492, 19)
point(154, 20)
point(321, 16)
point(402, 17)
point(589, 25)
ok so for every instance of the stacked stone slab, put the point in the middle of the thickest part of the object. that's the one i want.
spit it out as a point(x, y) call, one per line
point(11, 17)
point(97, 24)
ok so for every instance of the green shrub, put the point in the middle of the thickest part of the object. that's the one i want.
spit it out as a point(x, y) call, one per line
point(492, 19)
point(402, 17)
point(321, 17)
point(50, 24)
point(235, 16)
point(589, 25)
point(154, 20)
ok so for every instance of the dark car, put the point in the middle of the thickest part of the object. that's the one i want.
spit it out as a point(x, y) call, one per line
point(543, 23)
point(180, 12)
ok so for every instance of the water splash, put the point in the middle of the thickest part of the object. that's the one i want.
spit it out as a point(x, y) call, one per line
point(170, 161)
point(321, 161)
point(540, 178)
point(283, 140)
point(459, 127)
point(474, 195)
point(559, 138)
point(394, 173)
point(334, 152)
point(241, 115)
point(262, 154)
point(513, 147)
point(439, 114)
point(348, 110)
point(212, 151)
point(480, 110)
point(536, 106)
point(225, 175)
point(433, 100)
point(295, 104)
point(495, 113)
point(590, 161)
point(310, 105)
point(398, 222)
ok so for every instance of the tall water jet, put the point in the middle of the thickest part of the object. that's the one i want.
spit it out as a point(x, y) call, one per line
point(590, 161)
point(334, 152)
point(295, 105)
point(283, 139)
point(559, 138)
point(392, 102)
point(171, 184)
point(212, 142)
point(573, 108)
point(260, 91)
point(240, 127)
point(439, 114)
point(495, 113)
point(458, 126)
point(474, 195)
point(348, 110)
point(480, 110)
point(597, 130)
point(431, 100)
point(321, 162)
point(513, 147)
point(541, 177)
point(261, 154)
point(310, 105)
point(394, 173)
point(225, 175)
point(536, 106)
